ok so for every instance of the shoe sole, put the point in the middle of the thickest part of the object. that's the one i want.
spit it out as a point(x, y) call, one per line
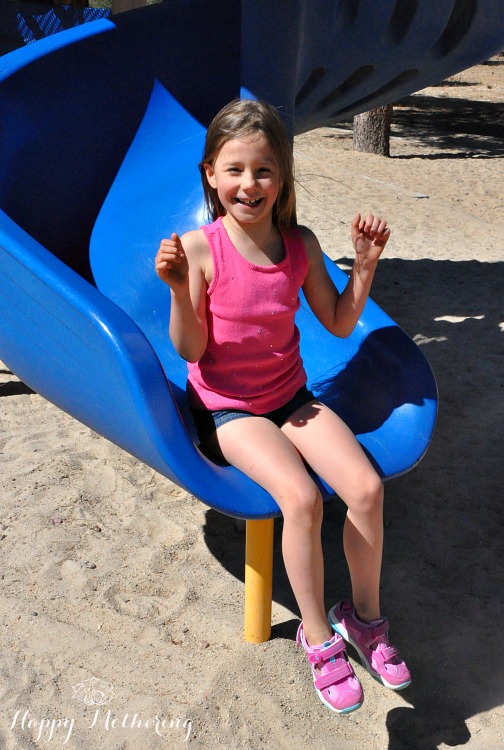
point(342, 631)
point(337, 710)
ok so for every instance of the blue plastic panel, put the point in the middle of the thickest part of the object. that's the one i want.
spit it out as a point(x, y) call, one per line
point(101, 132)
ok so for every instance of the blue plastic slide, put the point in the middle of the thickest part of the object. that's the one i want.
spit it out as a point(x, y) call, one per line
point(101, 131)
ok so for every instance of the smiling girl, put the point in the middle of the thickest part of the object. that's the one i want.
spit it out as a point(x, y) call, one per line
point(235, 287)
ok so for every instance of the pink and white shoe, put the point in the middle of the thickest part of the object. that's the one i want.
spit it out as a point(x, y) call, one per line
point(333, 677)
point(381, 660)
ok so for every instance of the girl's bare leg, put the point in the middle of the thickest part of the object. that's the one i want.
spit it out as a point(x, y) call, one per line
point(259, 449)
point(332, 450)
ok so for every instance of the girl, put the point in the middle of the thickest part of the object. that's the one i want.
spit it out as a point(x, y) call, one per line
point(234, 294)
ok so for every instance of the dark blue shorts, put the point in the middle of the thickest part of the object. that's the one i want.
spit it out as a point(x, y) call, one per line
point(208, 421)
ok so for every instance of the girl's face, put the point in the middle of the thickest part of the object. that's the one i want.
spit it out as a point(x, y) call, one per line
point(246, 176)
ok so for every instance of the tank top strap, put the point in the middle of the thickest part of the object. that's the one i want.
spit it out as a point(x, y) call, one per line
point(295, 250)
point(220, 248)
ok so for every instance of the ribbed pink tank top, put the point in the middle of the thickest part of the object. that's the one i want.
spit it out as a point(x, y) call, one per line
point(252, 360)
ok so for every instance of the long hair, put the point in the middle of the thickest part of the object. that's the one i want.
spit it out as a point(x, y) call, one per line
point(239, 119)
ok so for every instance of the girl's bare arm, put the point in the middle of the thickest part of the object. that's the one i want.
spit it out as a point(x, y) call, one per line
point(182, 263)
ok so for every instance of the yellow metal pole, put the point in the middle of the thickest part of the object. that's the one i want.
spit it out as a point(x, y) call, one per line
point(258, 579)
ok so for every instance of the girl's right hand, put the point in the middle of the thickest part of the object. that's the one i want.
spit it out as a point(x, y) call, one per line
point(171, 263)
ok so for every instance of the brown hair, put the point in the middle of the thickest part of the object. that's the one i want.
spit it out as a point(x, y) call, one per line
point(239, 119)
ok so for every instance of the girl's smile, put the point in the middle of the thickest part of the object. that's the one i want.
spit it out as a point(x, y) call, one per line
point(248, 202)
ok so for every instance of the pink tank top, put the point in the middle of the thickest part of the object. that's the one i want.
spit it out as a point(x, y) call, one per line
point(252, 360)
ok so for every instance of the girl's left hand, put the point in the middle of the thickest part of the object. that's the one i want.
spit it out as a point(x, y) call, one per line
point(369, 237)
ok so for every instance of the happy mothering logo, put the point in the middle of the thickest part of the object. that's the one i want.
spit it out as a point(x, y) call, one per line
point(95, 692)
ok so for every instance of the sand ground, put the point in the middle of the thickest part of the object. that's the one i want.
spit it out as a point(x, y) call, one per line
point(115, 580)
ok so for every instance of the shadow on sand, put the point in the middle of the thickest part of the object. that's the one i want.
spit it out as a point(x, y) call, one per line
point(442, 572)
point(473, 127)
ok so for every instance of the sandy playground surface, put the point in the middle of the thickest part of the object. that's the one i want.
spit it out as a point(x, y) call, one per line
point(116, 580)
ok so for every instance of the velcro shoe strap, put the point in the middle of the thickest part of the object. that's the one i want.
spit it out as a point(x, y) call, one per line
point(335, 675)
point(378, 630)
point(318, 657)
point(389, 653)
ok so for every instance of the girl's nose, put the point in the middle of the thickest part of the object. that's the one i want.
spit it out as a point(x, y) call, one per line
point(248, 179)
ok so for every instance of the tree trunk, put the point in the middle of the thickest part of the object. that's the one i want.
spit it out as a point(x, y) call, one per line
point(371, 131)
point(121, 6)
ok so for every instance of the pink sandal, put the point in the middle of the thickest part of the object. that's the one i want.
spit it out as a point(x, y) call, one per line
point(334, 679)
point(371, 642)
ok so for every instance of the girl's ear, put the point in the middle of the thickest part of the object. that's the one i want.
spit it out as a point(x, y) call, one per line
point(210, 175)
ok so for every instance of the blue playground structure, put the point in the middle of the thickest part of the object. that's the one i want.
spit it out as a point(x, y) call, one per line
point(101, 131)
point(24, 22)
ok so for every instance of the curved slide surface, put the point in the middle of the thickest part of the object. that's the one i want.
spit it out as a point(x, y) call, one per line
point(102, 129)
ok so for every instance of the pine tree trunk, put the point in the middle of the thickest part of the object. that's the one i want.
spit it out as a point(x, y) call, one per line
point(371, 131)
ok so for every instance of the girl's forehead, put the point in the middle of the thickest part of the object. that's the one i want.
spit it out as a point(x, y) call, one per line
point(253, 145)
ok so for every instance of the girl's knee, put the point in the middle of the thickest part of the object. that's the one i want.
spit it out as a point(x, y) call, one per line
point(303, 504)
point(369, 498)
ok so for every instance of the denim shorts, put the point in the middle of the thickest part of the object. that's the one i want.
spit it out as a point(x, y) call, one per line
point(208, 421)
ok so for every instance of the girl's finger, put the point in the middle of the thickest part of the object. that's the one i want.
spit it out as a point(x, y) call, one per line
point(356, 223)
point(368, 222)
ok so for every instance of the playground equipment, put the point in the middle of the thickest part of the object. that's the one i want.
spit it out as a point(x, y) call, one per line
point(102, 129)
point(24, 22)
